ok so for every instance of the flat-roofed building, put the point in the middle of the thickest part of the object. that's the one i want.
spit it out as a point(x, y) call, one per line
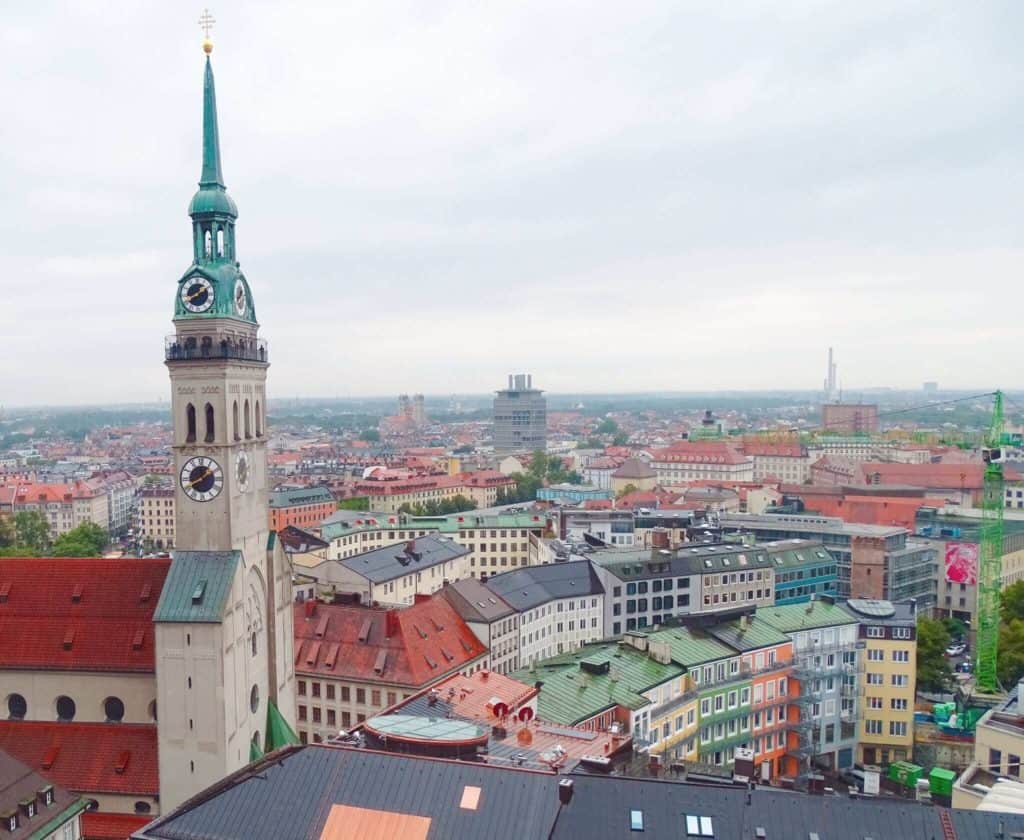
point(303, 508)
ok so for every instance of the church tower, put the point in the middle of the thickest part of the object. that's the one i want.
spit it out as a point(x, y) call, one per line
point(225, 675)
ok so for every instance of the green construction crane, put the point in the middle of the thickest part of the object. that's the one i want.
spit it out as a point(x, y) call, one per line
point(990, 573)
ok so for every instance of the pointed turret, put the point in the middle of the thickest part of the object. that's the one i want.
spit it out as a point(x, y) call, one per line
point(212, 176)
point(212, 198)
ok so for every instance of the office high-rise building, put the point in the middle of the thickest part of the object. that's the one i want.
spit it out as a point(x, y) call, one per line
point(520, 416)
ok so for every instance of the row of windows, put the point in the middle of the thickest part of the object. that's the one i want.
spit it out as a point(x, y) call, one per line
point(878, 655)
point(658, 602)
point(210, 426)
point(897, 704)
point(65, 708)
point(899, 680)
point(897, 728)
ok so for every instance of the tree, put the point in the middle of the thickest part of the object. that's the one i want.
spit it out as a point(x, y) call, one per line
point(957, 629)
point(1010, 664)
point(87, 540)
point(6, 532)
point(355, 503)
point(620, 439)
point(1011, 602)
point(606, 427)
point(370, 435)
point(933, 671)
point(625, 491)
point(442, 507)
point(32, 531)
point(524, 491)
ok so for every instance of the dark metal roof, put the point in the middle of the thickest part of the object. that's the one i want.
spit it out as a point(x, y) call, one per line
point(600, 810)
point(395, 561)
point(197, 586)
point(292, 795)
point(529, 587)
point(475, 602)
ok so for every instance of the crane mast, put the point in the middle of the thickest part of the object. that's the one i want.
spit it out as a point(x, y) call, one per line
point(990, 572)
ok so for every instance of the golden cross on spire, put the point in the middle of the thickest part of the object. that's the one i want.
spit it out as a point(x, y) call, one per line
point(206, 22)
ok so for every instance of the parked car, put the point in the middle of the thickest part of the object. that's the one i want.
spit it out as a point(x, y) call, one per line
point(964, 667)
point(956, 650)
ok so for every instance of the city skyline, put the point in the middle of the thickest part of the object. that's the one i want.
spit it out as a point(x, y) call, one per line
point(415, 182)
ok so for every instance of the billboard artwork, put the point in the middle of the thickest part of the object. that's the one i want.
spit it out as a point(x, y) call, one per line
point(962, 562)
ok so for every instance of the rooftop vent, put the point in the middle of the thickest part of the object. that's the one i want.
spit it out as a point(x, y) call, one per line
point(381, 663)
point(364, 631)
point(5, 591)
point(321, 627)
point(76, 593)
point(137, 639)
point(199, 592)
point(331, 657)
point(144, 595)
point(69, 638)
point(565, 791)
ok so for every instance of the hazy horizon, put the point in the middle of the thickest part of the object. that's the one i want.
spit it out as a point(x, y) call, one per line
point(652, 197)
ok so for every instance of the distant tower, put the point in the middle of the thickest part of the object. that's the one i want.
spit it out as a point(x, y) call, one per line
point(224, 661)
point(419, 414)
point(404, 407)
point(520, 416)
point(830, 386)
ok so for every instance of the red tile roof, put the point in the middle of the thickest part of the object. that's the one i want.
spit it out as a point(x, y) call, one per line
point(79, 614)
point(84, 757)
point(698, 452)
point(97, 826)
point(775, 450)
point(932, 476)
point(413, 646)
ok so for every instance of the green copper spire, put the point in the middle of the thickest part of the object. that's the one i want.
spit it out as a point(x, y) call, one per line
point(212, 175)
point(212, 198)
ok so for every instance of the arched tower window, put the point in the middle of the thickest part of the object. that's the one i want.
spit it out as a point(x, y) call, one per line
point(190, 423)
point(234, 420)
point(210, 431)
point(207, 245)
point(259, 420)
point(248, 420)
point(220, 242)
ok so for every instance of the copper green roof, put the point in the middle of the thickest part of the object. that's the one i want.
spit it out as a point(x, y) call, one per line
point(752, 635)
point(790, 618)
point(691, 647)
point(596, 677)
point(197, 586)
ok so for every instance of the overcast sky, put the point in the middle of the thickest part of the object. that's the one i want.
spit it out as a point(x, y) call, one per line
point(610, 195)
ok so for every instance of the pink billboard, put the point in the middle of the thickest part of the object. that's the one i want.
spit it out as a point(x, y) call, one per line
point(962, 562)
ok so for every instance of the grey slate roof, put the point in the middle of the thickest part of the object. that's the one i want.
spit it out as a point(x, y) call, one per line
point(532, 586)
point(197, 586)
point(390, 562)
point(19, 782)
point(291, 795)
point(475, 602)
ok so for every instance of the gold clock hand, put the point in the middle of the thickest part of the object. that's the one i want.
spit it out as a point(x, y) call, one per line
point(203, 477)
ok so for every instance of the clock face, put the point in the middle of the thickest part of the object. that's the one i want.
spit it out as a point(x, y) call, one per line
point(241, 299)
point(201, 478)
point(197, 294)
point(243, 471)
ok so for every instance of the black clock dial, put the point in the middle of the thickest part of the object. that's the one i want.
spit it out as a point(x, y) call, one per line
point(201, 478)
point(197, 294)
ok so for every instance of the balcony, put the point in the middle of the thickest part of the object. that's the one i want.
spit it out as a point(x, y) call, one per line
point(205, 349)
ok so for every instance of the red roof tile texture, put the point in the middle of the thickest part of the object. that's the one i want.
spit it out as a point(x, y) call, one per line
point(698, 452)
point(84, 757)
point(97, 826)
point(413, 646)
point(79, 614)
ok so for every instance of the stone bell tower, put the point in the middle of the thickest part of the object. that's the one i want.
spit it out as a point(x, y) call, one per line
point(225, 675)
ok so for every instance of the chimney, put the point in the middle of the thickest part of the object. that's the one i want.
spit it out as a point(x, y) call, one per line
point(744, 621)
point(391, 626)
point(565, 791)
point(310, 608)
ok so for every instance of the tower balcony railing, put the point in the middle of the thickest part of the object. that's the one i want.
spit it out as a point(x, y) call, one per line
point(191, 350)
